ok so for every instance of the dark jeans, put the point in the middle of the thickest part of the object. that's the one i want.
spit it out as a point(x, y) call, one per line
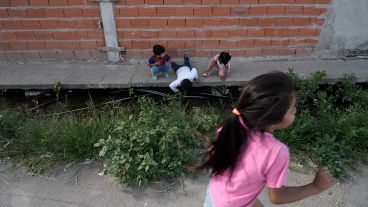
point(175, 66)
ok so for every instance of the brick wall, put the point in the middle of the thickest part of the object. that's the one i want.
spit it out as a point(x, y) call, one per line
point(49, 30)
point(205, 27)
point(69, 29)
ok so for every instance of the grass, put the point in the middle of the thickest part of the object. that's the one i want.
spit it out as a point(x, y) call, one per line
point(150, 140)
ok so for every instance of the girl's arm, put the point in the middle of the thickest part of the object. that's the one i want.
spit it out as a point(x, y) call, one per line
point(210, 65)
point(322, 182)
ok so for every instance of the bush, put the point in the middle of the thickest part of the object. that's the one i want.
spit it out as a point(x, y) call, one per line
point(158, 142)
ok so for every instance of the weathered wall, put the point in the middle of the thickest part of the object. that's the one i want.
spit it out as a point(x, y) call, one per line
point(346, 27)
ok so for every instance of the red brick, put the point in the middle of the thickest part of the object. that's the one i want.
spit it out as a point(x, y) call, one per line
point(258, 10)
point(266, 22)
point(311, 42)
point(276, 10)
point(125, 43)
point(4, 46)
point(25, 35)
point(58, 2)
point(37, 13)
point(19, 2)
point(323, 10)
point(35, 45)
point(82, 54)
point(221, 10)
point(308, 32)
point(188, 33)
point(154, 2)
point(311, 11)
point(256, 32)
point(140, 44)
point(253, 52)
point(39, 2)
point(238, 53)
point(293, 10)
point(128, 12)
point(286, 51)
point(88, 45)
point(280, 42)
point(165, 11)
point(316, 21)
point(62, 35)
point(158, 23)
point(132, 34)
point(4, 3)
point(65, 55)
point(239, 33)
point(42, 35)
point(270, 52)
point(176, 22)
point(290, 32)
point(212, 22)
point(184, 11)
point(220, 34)
point(139, 23)
point(295, 42)
point(283, 21)
point(14, 55)
point(189, 22)
point(202, 33)
point(211, 43)
point(228, 44)
point(55, 13)
point(158, 42)
point(18, 45)
point(203, 11)
point(31, 24)
point(229, 1)
point(149, 34)
point(273, 32)
point(95, 34)
point(147, 12)
point(211, 2)
point(134, 2)
point(193, 44)
point(304, 51)
point(13, 12)
point(133, 53)
point(239, 10)
point(167, 34)
point(304, 1)
point(267, 1)
point(31, 55)
point(123, 23)
point(3, 13)
point(77, 2)
point(176, 43)
point(49, 24)
point(73, 12)
point(262, 42)
point(91, 12)
point(245, 44)
point(203, 53)
point(53, 45)
point(248, 1)
point(70, 45)
point(248, 22)
point(300, 21)
point(192, 2)
point(67, 23)
point(322, 1)
point(173, 2)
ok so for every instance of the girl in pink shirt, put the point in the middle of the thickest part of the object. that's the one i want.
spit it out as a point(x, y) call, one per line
point(222, 62)
point(246, 156)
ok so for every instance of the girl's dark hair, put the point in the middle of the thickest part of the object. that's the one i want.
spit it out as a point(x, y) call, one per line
point(263, 102)
point(158, 49)
point(224, 58)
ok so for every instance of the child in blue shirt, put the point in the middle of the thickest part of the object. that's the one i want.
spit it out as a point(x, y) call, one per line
point(157, 62)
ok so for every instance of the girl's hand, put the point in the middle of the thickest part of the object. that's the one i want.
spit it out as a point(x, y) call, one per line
point(323, 179)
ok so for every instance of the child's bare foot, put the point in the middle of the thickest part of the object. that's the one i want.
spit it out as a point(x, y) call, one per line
point(205, 74)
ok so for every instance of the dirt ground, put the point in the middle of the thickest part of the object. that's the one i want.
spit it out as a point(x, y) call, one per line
point(80, 185)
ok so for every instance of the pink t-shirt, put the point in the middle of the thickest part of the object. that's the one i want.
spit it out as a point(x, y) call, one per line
point(264, 162)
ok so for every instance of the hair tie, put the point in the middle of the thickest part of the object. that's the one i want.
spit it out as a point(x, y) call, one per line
point(237, 113)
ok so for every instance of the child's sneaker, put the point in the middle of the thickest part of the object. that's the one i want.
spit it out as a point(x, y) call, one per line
point(154, 77)
point(166, 75)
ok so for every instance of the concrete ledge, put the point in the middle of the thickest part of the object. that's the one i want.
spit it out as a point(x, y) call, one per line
point(137, 74)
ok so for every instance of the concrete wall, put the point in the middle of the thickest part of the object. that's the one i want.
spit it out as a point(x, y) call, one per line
point(346, 27)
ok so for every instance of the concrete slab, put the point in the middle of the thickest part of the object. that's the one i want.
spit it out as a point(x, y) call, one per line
point(137, 74)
